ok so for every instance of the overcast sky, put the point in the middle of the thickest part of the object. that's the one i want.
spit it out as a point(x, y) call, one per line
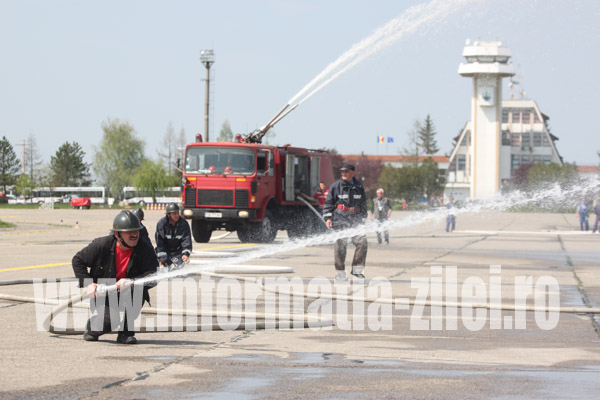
point(68, 65)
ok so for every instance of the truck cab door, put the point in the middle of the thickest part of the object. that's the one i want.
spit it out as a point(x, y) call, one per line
point(289, 177)
point(265, 174)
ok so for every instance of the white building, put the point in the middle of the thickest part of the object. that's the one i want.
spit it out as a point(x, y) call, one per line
point(501, 135)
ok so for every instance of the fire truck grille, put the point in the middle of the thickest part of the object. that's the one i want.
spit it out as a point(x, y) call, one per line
point(215, 197)
point(241, 198)
point(190, 197)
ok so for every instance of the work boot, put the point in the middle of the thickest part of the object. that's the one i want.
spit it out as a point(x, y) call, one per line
point(124, 339)
point(340, 276)
point(90, 337)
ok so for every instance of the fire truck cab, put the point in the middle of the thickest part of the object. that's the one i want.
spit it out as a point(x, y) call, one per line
point(253, 189)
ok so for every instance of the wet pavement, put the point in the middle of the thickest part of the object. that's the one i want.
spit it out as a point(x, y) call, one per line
point(425, 352)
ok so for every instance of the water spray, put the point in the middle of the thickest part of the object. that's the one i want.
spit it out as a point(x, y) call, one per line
point(414, 18)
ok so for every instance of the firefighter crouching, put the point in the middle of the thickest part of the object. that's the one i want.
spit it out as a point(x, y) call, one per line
point(115, 259)
point(346, 207)
point(173, 238)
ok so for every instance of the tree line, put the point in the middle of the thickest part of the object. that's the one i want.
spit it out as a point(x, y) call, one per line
point(118, 161)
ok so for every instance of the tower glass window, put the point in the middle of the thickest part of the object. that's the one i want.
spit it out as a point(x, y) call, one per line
point(537, 139)
point(462, 160)
point(515, 139)
point(516, 117)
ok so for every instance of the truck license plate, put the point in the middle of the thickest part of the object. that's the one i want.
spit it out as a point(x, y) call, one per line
point(213, 215)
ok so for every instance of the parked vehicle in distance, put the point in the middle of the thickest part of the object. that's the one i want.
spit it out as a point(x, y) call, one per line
point(133, 196)
point(81, 202)
point(12, 199)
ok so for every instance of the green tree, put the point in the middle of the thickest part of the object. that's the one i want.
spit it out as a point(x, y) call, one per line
point(404, 182)
point(152, 176)
point(68, 168)
point(388, 180)
point(226, 134)
point(118, 157)
point(411, 181)
point(24, 185)
point(427, 134)
point(433, 183)
point(9, 164)
point(543, 175)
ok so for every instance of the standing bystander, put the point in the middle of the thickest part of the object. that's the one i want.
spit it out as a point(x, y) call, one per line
point(381, 210)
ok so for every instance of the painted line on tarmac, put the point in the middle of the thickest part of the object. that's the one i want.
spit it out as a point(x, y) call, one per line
point(55, 231)
point(34, 267)
point(68, 263)
point(525, 232)
point(231, 246)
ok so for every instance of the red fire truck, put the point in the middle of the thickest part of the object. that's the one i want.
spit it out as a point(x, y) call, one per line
point(252, 188)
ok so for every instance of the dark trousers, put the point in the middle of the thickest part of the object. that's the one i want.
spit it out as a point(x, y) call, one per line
point(360, 254)
point(583, 222)
point(450, 222)
point(106, 324)
point(596, 223)
point(386, 234)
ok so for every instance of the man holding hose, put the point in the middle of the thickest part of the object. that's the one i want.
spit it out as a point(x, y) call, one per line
point(116, 260)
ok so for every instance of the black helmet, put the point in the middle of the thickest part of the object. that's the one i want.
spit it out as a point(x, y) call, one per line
point(138, 212)
point(126, 221)
point(172, 207)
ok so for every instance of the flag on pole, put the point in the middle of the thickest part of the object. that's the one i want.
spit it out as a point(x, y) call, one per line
point(390, 139)
point(380, 139)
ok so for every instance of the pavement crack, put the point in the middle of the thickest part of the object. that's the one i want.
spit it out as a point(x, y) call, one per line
point(580, 286)
point(143, 375)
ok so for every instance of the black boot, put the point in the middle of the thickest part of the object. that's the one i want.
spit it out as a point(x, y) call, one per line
point(124, 339)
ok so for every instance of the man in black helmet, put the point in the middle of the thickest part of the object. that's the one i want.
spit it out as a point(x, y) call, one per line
point(346, 207)
point(115, 259)
point(138, 212)
point(173, 238)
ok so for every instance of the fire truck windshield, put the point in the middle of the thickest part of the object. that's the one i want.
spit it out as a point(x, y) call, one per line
point(219, 160)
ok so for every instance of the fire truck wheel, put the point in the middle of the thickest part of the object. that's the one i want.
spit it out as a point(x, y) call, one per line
point(267, 230)
point(201, 231)
point(245, 235)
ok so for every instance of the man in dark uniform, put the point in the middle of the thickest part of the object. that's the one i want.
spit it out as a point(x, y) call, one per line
point(115, 259)
point(346, 207)
point(173, 238)
point(138, 212)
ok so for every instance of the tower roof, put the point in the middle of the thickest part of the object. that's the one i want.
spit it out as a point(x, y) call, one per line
point(486, 58)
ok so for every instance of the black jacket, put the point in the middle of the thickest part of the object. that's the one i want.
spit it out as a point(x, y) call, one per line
point(145, 236)
point(173, 240)
point(99, 258)
point(349, 194)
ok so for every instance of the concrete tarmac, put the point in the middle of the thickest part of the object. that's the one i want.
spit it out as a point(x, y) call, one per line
point(422, 353)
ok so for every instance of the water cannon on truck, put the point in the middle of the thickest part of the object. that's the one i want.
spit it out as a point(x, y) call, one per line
point(253, 188)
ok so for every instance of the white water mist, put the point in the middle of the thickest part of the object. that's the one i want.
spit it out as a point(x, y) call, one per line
point(542, 199)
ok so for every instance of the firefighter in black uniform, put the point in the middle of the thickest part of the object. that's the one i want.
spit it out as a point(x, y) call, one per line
point(173, 238)
point(138, 212)
point(346, 207)
point(115, 259)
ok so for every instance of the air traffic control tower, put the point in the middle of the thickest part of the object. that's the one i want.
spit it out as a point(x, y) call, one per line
point(487, 63)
